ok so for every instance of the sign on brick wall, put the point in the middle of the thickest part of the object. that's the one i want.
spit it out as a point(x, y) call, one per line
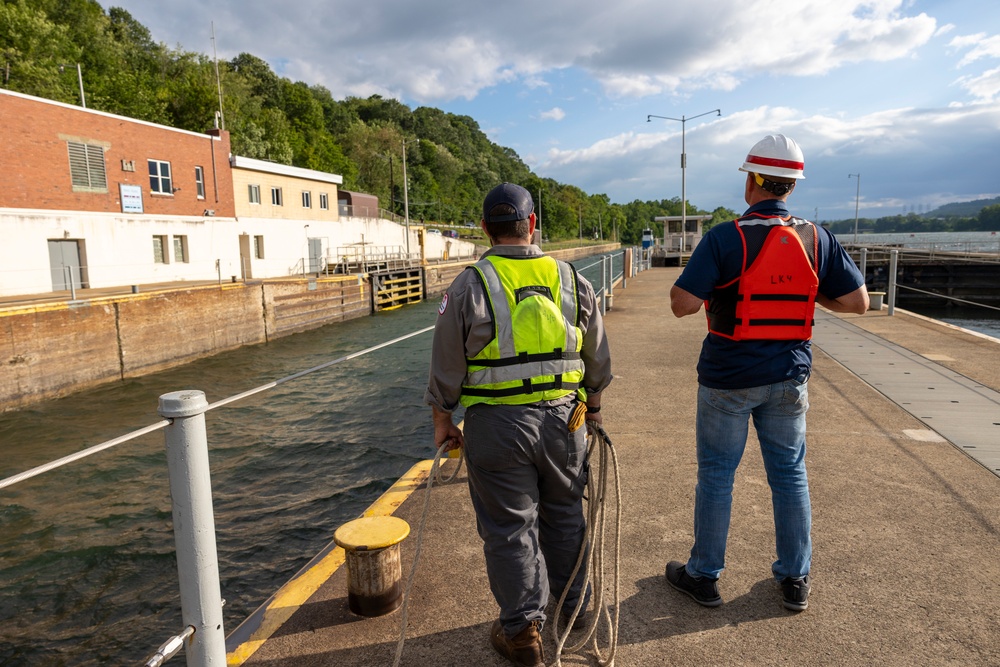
point(131, 198)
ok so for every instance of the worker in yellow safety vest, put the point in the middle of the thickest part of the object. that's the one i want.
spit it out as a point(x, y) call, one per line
point(520, 344)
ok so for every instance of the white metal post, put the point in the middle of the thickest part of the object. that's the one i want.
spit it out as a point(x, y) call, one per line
point(864, 262)
point(893, 263)
point(194, 526)
point(611, 281)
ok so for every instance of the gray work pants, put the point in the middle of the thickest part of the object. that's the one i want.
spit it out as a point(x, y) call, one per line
point(527, 475)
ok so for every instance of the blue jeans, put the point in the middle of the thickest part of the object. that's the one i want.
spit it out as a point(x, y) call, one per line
point(779, 417)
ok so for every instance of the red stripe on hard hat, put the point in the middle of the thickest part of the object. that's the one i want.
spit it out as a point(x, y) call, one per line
point(774, 162)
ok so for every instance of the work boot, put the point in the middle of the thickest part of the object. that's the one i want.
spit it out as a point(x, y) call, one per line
point(702, 590)
point(523, 649)
point(582, 619)
point(795, 593)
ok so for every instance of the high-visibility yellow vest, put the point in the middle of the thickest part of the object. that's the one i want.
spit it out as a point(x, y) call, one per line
point(535, 351)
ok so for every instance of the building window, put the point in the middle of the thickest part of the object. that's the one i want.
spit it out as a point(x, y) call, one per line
point(258, 247)
point(199, 181)
point(181, 249)
point(276, 197)
point(307, 199)
point(324, 201)
point(160, 250)
point(159, 177)
point(86, 166)
point(254, 191)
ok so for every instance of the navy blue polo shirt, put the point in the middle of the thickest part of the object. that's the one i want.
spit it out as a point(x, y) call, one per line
point(718, 259)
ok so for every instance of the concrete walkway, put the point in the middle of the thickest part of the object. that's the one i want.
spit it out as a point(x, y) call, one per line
point(906, 529)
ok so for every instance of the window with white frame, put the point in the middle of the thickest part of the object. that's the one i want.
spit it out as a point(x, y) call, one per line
point(86, 166)
point(159, 177)
point(199, 181)
point(307, 199)
point(160, 250)
point(181, 249)
point(276, 199)
point(324, 201)
point(254, 192)
point(258, 247)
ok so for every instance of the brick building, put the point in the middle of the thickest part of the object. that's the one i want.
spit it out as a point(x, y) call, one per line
point(91, 199)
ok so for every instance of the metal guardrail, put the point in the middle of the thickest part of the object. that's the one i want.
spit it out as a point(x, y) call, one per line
point(960, 251)
point(893, 259)
point(186, 441)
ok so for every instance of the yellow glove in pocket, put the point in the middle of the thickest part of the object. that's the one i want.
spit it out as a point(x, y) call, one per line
point(577, 417)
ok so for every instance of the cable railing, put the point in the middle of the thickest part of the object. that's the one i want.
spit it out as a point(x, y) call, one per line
point(894, 255)
point(190, 490)
point(948, 298)
point(956, 251)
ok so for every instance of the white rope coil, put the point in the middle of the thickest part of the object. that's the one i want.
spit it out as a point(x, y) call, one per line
point(593, 544)
point(595, 570)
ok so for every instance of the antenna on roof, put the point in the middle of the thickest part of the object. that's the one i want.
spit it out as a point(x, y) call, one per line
point(218, 80)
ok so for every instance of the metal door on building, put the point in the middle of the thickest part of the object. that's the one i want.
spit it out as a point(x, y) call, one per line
point(64, 264)
point(315, 255)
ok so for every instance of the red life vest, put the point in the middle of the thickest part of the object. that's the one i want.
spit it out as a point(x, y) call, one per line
point(774, 297)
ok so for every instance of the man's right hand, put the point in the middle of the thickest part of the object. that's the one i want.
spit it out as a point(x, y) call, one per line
point(445, 432)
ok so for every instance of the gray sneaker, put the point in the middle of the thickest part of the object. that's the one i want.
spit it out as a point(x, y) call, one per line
point(795, 593)
point(702, 590)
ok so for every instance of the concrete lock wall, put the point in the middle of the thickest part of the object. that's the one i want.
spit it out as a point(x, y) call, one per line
point(173, 328)
point(53, 350)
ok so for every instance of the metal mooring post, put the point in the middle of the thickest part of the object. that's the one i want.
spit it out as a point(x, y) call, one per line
point(893, 263)
point(611, 281)
point(864, 263)
point(194, 526)
point(604, 288)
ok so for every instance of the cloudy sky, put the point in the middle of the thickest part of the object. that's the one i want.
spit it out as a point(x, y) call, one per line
point(904, 93)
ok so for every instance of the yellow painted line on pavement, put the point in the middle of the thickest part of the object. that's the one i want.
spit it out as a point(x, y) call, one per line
point(263, 623)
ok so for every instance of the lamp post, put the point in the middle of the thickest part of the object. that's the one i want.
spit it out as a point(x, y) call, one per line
point(857, 199)
point(79, 78)
point(406, 198)
point(683, 120)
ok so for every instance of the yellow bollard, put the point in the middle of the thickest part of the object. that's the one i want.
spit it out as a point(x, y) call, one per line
point(374, 568)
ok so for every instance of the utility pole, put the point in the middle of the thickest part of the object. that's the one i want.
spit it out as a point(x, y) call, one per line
point(218, 79)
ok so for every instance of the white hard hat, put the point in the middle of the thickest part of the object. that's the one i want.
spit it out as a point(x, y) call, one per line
point(775, 155)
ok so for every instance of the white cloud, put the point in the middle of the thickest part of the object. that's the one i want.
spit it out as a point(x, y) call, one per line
point(437, 50)
point(555, 113)
point(985, 87)
point(979, 45)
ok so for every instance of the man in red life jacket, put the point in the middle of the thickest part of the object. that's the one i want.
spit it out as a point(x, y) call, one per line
point(759, 278)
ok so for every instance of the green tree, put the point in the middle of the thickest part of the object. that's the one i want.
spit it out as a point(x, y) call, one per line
point(35, 51)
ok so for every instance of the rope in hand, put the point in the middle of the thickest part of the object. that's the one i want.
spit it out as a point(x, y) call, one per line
point(594, 543)
point(435, 475)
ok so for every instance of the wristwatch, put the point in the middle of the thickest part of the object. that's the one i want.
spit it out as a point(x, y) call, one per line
point(593, 409)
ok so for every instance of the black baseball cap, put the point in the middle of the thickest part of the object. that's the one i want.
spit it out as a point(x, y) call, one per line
point(508, 193)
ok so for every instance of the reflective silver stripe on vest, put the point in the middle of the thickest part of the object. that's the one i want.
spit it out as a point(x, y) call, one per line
point(505, 332)
point(501, 309)
point(567, 287)
point(495, 375)
point(772, 222)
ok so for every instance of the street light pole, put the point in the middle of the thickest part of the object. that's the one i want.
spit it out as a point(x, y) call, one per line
point(79, 78)
point(857, 199)
point(683, 120)
point(406, 199)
